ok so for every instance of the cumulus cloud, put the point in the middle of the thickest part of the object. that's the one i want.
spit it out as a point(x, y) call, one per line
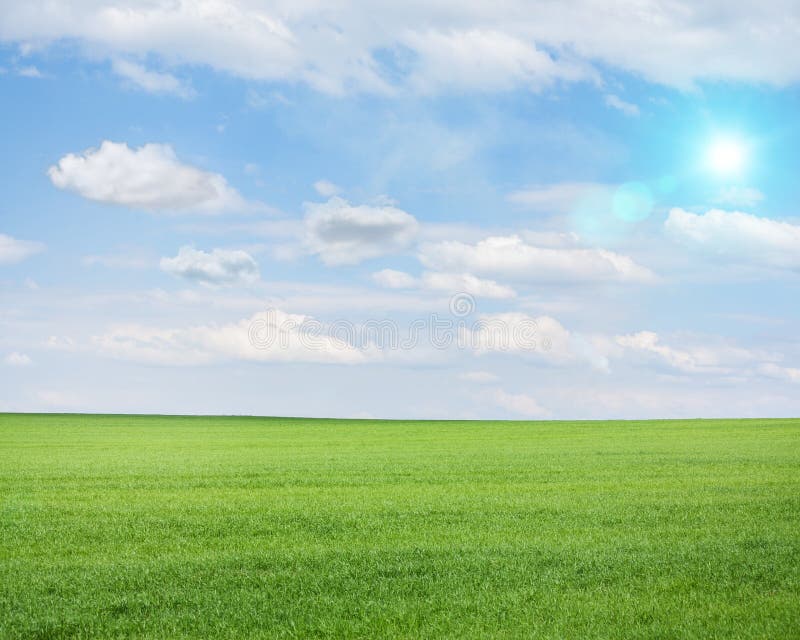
point(269, 336)
point(512, 258)
point(739, 237)
point(541, 337)
point(13, 250)
point(516, 331)
point(341, 233)
point(152, 81)
point(452, 45)
point(218, 267)
point(150, 177)
point(628, 108)
point(16, 359)
point(551, 239)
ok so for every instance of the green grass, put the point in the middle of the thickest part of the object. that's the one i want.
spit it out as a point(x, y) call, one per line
point(171, 527)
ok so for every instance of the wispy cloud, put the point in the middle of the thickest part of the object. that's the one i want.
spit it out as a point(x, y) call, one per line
point(30, 72)
point(16, 359)
point(628, 108)
point(556, 198)
point(739, 197)
point(157, 82)
point(13, 250)
point(455, 47)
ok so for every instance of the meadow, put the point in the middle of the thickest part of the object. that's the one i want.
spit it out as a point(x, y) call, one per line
point(213, 527)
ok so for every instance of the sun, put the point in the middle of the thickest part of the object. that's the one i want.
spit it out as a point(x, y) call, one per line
point(727, 156)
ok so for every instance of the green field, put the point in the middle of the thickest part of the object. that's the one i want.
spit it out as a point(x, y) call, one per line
point(171, 527)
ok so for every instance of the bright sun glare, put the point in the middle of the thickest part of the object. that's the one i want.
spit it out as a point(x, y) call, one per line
point(726, 156)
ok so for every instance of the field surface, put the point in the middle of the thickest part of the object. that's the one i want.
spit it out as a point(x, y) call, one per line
point(171, 527)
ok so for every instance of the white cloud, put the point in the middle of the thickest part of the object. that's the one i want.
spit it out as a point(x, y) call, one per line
point(393, 279)
point(152, 81)
point(772, 370)
point(739, 196)
point(341, 233)
point(326, 188)
point(60, 343)
point(541, 337)
point(30, 72)
point(515, 331)
point(449, 282)
point(628, 108)
point(466, 283)
point(551, 239)
point(712, 356)
point(556, 198)
point(270, 336)
point(16, 359)
point(218, 267)
point(519, 403)
point(244, 39)
point(260, 100)
point(512, 258)
point(449, 45)
point(13, 250)
point(739, 237)
point(478, 58)
point(150, 177)
point(480, 377)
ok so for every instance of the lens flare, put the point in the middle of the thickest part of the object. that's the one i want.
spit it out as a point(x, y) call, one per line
point(633, 201)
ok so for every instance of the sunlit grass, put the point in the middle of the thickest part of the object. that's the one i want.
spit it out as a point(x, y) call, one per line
point(117, 526)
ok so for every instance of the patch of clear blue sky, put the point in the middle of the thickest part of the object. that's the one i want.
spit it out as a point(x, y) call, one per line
point(450, 158)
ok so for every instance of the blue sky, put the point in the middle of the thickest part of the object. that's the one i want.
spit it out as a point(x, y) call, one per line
point(619, 180)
